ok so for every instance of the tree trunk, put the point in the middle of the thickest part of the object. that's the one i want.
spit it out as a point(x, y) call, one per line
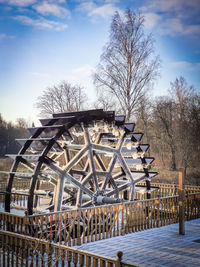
point(173, 163)
point(128, 115)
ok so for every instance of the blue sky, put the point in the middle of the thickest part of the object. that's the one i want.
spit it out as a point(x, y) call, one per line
point(43, 42)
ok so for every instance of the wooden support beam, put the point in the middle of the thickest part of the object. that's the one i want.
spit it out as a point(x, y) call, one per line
point(91, 157)
point(59, 193)
point(79, 197)
point(128, 174)
point(181, 179)
point(120, 188)
point(69, 178)
point(110, 169)
point(112, 164)
point(102, 148)
point(99, 161)
point(181, 202)
point(76, 158)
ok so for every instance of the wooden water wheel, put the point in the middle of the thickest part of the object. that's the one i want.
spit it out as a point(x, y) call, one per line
point(89, 157)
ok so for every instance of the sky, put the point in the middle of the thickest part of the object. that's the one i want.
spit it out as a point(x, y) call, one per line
point(43, 42)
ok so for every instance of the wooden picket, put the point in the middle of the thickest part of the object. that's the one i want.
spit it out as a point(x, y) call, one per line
point(22, 184)
point(21, 250)
point(80, 226)
point(164, 190)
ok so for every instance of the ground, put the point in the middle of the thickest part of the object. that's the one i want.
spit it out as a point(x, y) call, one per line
point(154, 247)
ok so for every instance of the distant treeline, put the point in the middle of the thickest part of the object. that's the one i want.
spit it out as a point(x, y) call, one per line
point(172, 126)
point(9, 132)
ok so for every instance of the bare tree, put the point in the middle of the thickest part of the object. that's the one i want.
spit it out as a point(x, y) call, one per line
point(105, 101)
point(183, 96)
point(127, 67)
point(175, 119)
point(164, 115)
point(61, 98)
point(143, 118)
point(21, 123)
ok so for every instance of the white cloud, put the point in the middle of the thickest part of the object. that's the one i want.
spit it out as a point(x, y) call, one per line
point(42, 23)
point(58, 1)
point(5, 36)
point(23, 3)
point(176, 16)
point(192, 29)
point(111, 1)
point(171, 26)
point(151, 19)
point(103, 11)
point(46, 8)
point(170, 5)
point(185, 65)
point(84, 71)
point(82, 75)
point(86, 6)
point(95, 11)
point(174, 26)
point(40, 74)
point(20, 3)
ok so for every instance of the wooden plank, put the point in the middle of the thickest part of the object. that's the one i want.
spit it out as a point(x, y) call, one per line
point(95, 262)
point(91, 157)
point(71, 179)
point(84, 224)
point(104, 228)
point(181, 212)
point(99, 222)
point(88, 261)
point(81, 260)
point(92, 224)
point(87, 225)
point(96, 223)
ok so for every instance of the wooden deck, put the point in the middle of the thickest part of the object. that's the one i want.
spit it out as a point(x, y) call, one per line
point(45, 239)
point(154, 247)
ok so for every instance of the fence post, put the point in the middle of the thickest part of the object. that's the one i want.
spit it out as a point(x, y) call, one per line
point(187, 206)
point(158, 211)
point(78, 227)
point(48, 251)
point(119, 258)
point(122, 219)
point(181, 202)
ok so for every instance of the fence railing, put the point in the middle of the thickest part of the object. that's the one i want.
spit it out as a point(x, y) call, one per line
point(80, 226)
point(87, 225)
point(18, 201)
point(16, 184)
point(20, 250)
point(192, 206)
point(167, 190)
point(26, 184)
point(163, 191)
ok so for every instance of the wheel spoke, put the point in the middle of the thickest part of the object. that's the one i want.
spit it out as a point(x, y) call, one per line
point(86, 158)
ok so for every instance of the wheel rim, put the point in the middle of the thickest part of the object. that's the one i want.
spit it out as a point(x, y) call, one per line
point(90, 157)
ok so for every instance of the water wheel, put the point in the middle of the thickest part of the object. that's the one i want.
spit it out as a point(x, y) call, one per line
point(89, 157)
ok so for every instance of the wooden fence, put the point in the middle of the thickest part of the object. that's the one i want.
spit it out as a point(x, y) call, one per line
point(24, 184)
point(92, 224)
point(165, 190)
point(20, 250)
point(17, 199)
point(192, 206)
point(80, 226)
